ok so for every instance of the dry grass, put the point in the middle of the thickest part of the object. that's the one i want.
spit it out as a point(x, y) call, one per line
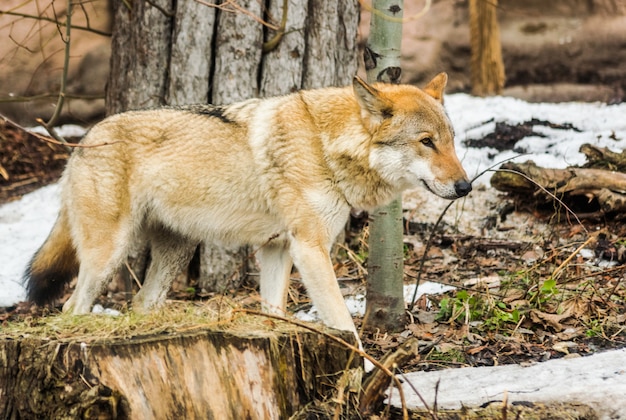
point(218, 314)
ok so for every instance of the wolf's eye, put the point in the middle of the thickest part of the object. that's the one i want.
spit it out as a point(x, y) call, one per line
point(428, 142)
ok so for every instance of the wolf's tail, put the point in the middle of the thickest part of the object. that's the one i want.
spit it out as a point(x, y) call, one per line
point(53, 266)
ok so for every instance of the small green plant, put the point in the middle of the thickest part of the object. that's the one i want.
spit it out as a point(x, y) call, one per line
point(594, 329)
point(463, 307)
point(488, 313)
point(500, 316)
point(544, 293)
point(452, 355)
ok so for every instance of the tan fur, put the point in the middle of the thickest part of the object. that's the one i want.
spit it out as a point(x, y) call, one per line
point(288, 168)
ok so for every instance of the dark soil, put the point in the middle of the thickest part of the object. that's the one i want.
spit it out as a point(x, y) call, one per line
point(506, 135)
point(26, 162)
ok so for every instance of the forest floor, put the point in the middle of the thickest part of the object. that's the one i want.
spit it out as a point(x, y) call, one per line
point(529, 284)
point(526, 281)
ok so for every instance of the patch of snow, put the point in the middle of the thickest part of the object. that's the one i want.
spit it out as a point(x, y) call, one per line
point(101, 310)
point(356, 303)
point(598, 380)
point(68, 130)
point(599, 124)
point(24, 225)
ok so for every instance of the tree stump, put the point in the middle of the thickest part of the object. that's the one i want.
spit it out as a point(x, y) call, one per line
point(208, 373)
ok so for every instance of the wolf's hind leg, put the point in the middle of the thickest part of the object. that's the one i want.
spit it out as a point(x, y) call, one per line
point(97, 267)
point(170, 255)
point(276, 264)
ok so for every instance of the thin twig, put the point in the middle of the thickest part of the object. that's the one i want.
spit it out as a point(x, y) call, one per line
point(11, 99)
point(559, 269)
point(66, 64)
point(541, 187)
point(431, 411)
point(272, 43)
point(47, 19)
point(593, 274)
point(434, 231)
point(59, 142)
point(232, 7)
point(51, 140)
point(57, 138)
point(132, 274)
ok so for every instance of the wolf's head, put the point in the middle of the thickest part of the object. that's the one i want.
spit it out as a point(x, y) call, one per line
point(412, 137)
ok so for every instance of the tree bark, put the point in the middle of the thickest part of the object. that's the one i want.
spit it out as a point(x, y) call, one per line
point(331, 58)
point(237, 55)
point(487, 67)
point(141, 44)
point(321, 37)
point(158, 57)
point(199, 375)
point(346, 52)
point(283, 66)
point(385, 286)
point(192, 54)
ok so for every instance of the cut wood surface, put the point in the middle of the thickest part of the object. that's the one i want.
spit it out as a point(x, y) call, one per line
point(201, 374)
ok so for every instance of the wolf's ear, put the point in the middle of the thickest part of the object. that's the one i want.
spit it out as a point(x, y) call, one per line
point(371, 101)
point(436, 87)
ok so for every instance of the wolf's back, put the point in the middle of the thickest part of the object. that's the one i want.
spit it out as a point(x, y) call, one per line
point(53, 266)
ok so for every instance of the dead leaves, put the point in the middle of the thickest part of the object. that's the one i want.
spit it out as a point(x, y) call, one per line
point(547, 320)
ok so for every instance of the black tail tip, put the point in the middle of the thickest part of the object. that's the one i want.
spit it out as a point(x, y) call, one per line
point(45, 288)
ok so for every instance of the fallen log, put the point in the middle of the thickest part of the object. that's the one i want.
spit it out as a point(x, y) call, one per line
point(603, 158)
point(600, 191)
point(261, 371)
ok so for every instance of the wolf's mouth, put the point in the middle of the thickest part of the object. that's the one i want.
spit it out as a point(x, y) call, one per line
point(427, 187)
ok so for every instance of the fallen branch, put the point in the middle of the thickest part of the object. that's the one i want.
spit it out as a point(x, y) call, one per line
point(377, 383)
point(608, 188)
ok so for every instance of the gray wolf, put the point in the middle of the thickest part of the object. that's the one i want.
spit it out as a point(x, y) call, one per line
point(280, 173)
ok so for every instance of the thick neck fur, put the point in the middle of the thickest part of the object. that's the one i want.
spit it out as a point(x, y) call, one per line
point(347, 145)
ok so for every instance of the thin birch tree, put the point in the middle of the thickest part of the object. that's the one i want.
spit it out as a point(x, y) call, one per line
point(385, 301)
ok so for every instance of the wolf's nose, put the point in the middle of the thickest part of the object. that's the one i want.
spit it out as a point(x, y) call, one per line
point(462, 188)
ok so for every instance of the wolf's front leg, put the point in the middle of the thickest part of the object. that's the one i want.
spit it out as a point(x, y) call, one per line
point(316, 269)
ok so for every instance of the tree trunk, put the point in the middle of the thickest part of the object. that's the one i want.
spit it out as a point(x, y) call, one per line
point(206, 374)
point(331, 29)
point(191, 56)
point(385, 287)
point(141, 45)
point(239, 41)
point(287, 57)
point(195, 53)
point(487, 67)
